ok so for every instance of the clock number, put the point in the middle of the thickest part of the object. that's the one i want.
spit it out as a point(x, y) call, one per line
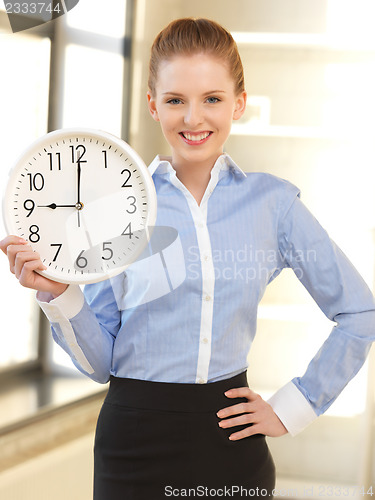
point(34, 236)
point(105, 158)
point(132, 204)
point(26, 206)
point(125, 185)
point(51, 160)
point(36, 182)
point(129, 229)
point(106, 248)
point(58, 250)
point(79, 153)
point(81, 261)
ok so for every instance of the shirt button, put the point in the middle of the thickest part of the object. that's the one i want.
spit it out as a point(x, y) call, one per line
point(206, 258)
point(207, 298)
point(201, 381)
point(200, 224)
point(205, 340)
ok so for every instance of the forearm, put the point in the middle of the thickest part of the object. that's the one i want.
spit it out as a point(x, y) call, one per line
point(302, 400)
point(76, 329)
point(343, 296)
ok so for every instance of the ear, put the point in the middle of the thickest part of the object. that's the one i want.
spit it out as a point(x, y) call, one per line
point(152, 106)
point(240, 105)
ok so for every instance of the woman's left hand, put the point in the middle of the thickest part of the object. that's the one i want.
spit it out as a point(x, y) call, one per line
point(255, 411)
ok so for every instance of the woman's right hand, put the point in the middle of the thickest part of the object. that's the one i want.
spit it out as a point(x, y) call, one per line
point(23, 263)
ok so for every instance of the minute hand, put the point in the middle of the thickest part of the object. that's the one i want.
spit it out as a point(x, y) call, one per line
point(78, 182)
point(78, 204)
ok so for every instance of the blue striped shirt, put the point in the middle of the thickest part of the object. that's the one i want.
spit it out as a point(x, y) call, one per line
point(189, 314)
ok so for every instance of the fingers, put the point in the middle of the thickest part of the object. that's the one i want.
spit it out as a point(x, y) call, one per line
point(256, 414)
point(247, 418)
point(18, 254)
point(27, 261)
point(241, 392)
point(249, 431)
point(26, 275)
point(22, 259)
point(10, 240)
point(235, 410)
point(23, 263)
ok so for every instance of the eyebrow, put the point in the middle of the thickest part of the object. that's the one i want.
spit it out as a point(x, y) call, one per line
point(177, 94)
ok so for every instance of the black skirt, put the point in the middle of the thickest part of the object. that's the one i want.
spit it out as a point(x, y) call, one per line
point(156, 440)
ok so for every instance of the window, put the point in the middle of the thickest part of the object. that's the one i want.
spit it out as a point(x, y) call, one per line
point(71, 72)
point(24, 86)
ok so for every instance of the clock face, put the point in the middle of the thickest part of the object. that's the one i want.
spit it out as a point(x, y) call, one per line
point(84, 200)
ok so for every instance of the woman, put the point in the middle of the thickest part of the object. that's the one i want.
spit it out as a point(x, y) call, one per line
point(179, 414)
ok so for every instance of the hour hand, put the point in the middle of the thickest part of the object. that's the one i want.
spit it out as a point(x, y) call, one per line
point(53, 206)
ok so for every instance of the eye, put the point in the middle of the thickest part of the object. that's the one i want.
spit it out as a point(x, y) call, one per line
point(174, 101)
point(212, 100)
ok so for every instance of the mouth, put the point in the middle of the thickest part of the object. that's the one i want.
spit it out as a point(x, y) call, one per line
point(195, 138)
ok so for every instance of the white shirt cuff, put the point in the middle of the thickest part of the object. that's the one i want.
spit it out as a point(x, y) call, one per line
point(292, 408)
point(67, 305)
point(60, 310)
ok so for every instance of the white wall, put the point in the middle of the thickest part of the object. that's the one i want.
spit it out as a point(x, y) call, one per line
point(310, 121)
point(65, 473)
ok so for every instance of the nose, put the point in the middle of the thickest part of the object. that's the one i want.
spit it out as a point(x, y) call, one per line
point(193, 115)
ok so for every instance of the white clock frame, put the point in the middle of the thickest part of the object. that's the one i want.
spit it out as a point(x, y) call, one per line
point(67, 191)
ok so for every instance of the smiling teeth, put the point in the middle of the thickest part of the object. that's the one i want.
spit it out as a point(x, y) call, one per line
point(196, 137)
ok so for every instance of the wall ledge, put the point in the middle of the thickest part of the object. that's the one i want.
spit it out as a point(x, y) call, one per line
point(47, 429)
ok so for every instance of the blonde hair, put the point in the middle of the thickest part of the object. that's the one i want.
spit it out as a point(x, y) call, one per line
point(189, 36)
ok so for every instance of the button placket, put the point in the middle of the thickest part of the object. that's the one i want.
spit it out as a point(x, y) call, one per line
point(199, 216)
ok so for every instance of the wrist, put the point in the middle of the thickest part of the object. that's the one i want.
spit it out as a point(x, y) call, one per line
point(58, 290)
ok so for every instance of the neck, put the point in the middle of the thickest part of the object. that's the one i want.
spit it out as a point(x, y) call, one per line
point(194, 176)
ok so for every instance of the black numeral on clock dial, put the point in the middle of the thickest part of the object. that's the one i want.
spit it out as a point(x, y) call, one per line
point(128, 230)
point(105, 158)
point(78, 151)
point(51, 162)
point(34, 236)
point(36, 181)
point(128, 173)
point(81, 261)
point(107, 249)
point(29, 205)
point(132, 204)
point(59, 245)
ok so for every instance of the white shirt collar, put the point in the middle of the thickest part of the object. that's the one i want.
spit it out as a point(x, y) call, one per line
point(162, 164)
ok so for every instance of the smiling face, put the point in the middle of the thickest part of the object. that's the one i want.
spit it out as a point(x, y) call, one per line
point(195, 103)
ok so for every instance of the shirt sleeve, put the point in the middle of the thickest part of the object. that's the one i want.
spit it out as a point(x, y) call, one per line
point(343, 296)
point(85, 325)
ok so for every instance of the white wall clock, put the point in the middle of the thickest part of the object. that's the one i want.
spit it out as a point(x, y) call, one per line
point(84, 200)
